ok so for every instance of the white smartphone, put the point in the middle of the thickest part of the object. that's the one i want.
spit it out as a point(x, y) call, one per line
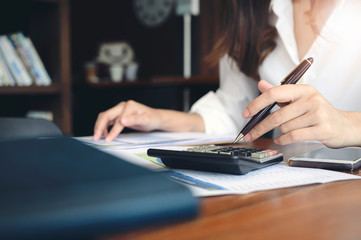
point(348, 159)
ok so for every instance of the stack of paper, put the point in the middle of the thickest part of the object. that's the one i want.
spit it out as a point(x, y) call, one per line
point(132, 148)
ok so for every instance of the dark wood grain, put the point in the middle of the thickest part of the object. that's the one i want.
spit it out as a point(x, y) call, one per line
point(53, 89)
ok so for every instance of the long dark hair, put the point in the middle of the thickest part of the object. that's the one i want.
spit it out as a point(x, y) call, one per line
point(246, 34)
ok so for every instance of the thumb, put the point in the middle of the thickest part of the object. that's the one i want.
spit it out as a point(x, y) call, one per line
point(264, 86)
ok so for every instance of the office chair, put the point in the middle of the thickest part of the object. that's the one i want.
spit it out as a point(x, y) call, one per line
point(12, 128)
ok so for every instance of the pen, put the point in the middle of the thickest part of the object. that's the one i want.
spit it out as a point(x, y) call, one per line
point(291, 78)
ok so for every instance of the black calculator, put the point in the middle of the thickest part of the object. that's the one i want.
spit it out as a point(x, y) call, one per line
point(222, 159)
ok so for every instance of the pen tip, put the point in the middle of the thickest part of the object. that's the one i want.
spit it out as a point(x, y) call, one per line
point(239, 137)
point(310, 59)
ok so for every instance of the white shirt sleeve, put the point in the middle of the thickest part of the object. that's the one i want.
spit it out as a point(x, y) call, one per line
point(222, 110)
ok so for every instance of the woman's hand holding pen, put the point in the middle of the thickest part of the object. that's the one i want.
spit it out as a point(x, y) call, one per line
point(304, 115)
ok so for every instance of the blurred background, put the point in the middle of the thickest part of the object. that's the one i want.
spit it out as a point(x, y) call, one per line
point(99, 53)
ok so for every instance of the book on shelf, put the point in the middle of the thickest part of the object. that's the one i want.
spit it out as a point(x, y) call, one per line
point(14, 63)
point(23, 62)
point(5, 76)
point(37, 62)
point(31, 58)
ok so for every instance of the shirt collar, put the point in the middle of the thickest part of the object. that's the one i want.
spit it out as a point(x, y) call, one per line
point(283, 10)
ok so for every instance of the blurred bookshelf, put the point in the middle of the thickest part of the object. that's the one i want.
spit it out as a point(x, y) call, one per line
point(75, 102)
point(171, 92)
point(46, 23)
point(158, 50)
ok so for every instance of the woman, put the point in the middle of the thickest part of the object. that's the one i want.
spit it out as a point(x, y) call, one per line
point(265, 40)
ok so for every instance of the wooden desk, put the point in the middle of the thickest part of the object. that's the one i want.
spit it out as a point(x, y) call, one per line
point(320, 211)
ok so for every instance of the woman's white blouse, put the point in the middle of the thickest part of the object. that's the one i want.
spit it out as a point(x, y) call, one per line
point(336, 71)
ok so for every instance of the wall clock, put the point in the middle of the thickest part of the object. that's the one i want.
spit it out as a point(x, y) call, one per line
point(153, 13)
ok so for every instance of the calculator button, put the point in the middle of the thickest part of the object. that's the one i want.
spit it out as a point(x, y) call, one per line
point(271, 152)
point(243, 154)
point(225, 153)
point(260, 155)
point(234, 151)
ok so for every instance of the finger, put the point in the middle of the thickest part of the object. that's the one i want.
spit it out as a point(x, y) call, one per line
point(98, 133)
point(280, 94)
point(303, 121)
point(127, 109)
point(277, 118)
point(105, 119)
point(114, 132)
point(264, 85)
point(105, 133)
point(136, 116)
point(99, 128)
point(302, 134)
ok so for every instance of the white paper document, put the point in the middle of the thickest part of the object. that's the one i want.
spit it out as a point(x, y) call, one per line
point(209, 184)
point(277, 176)
point(136, 140)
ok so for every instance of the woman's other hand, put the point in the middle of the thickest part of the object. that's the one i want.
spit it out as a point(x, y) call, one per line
point(129, 114)
point(304, 115)
point(140, 117)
